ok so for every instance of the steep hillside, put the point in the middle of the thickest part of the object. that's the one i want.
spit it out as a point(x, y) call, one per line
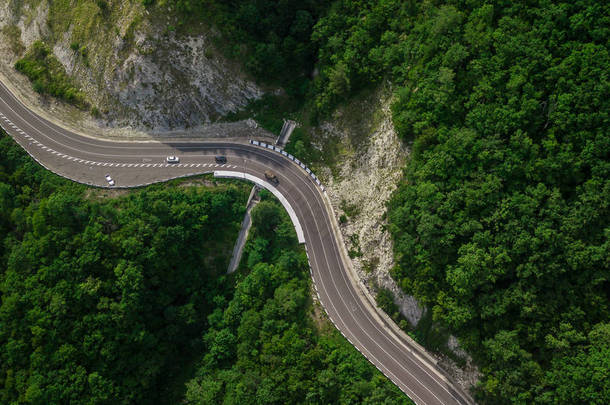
point(134, 68)
point(501, 223)
point(360, 157)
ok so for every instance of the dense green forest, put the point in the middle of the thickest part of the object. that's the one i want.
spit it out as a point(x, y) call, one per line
point(501, 224)
point(48, 75)
point(122, 299)
point(265, 345)
point(100, 300)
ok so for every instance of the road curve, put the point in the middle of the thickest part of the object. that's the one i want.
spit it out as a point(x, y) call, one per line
point(87, 160)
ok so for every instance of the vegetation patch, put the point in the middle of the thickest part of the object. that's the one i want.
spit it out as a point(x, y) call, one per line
point(385, 301)
point(263, 347)
point(272, 41)
point(101, 301)
point(369, 266)
point(48, 76)
point(301, 146)
point(13, 34)
point(351, 210)
point(269, 111)
point(355, 249)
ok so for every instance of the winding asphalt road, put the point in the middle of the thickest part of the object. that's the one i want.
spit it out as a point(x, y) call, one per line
point(87, 160)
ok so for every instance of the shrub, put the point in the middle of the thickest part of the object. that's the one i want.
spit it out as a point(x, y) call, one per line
point(48, 75)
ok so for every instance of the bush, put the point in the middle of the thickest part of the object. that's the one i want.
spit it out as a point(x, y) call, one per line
point(385, 300)
point(48, 75)
point(103, 6)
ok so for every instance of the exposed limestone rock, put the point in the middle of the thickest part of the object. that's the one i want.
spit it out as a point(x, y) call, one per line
point(370, 162)
point(468, 375)
point(138, 76)
point(369, 158)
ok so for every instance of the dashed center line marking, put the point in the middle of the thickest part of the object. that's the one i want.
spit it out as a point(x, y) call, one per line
point(33, 141)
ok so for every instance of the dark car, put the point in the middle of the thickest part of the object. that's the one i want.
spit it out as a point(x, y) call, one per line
point(269, 175)
point(221, 159)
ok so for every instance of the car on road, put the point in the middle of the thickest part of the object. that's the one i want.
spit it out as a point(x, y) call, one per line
point(109, 180)
point(269, 175)
point(221, 159)
point(172, 159)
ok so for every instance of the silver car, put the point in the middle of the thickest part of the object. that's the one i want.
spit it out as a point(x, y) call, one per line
point(109, 180)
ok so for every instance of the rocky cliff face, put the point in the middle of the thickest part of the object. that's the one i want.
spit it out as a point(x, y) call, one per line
point(129, 62)
point(369, 159)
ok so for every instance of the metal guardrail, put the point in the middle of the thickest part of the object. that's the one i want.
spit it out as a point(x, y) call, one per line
point(291, 157)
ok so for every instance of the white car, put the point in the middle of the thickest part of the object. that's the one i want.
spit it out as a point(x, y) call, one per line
point(172, 159)
point(109, 180)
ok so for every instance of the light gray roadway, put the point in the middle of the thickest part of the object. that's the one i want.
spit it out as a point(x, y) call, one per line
point(87, 160)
